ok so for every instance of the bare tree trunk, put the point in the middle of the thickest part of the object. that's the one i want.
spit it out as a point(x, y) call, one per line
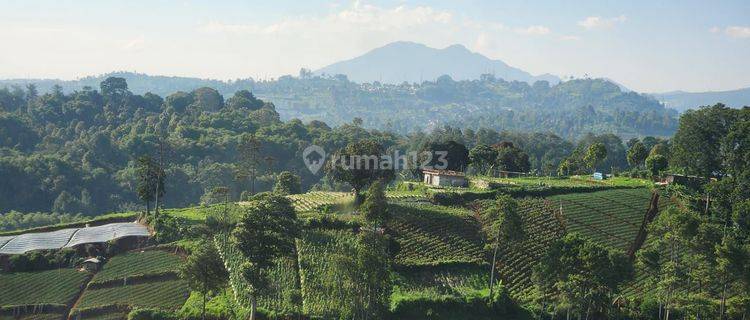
point(492, 268)
point(203, 311)
point(253, 307)
point(723, 298)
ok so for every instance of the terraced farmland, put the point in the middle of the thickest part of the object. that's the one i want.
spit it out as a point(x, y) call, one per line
point(135, 279)
point(443, 280)
point(516, 262)
point(137, 263)
point(611, 217)
point(431, 235)
point(316, 199)
point(322, 292)
point(53, 287)
point(283, 278)
point(169, 295)
point(41, 316)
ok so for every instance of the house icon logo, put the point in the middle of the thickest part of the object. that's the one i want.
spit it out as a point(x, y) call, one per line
point(314, 157)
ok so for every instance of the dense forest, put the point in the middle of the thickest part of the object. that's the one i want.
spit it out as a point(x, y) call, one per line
point(79, 152)
point(569, 109)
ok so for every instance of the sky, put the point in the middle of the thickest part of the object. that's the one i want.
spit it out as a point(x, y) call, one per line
point(647, 46)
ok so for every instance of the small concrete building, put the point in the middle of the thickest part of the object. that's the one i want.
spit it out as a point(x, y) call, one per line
point(91, 265)
point(445, 178)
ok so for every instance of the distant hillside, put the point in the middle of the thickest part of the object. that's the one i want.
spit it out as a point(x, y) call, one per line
point(569, 109)
point(413, 62)
point(682, 101)
point(138, 83)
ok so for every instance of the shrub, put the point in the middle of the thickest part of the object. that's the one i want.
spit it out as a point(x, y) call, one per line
point(472, 306)
point(43, 260)
point(287, 183)
point(151, 314)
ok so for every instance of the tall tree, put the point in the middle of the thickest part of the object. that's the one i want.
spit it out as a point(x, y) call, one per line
point(266, 232)
point(359, 165)
point(581, 275)
point(482, 158)
point(204, 271)
point(697, 142)
point(367, 276)
point(656, 163)
point(249, 159)
point(375, 207)
point(595, 154)
point(502, 225)
point(287, 183)
point(450, 155)
point(511, 158)
point(637, 154)
point(149, 174)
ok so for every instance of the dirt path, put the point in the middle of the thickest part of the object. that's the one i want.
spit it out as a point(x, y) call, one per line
point(78, 296)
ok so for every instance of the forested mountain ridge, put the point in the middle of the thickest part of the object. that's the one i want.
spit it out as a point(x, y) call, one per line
point(80, 152)
point(569, 109)
point(683, 101)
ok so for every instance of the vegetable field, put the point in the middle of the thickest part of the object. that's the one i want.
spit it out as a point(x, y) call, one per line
point(282, 296)
point(611, 217)
point(314, 200)
point(111, 286)
point(443, 280)
point(516, 261)
point(169, 294)
point(323, 294)
point(431, 235)
point(57, 287)
point(137, 263)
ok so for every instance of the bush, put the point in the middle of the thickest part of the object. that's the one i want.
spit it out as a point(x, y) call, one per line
point(473, 306)
point(43, 260)
point(151, 314)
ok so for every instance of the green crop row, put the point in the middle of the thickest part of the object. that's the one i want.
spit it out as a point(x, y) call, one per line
point(433, 235)
point(283, 294)
point(170, 294)
point(43, 287)
point(323, 293)
point(138, 263)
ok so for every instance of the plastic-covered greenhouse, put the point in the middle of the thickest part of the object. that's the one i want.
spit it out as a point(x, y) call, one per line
point(69, 237)
point(106, 233)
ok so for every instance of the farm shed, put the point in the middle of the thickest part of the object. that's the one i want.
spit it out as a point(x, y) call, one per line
point(91, 265)
point(445, 178)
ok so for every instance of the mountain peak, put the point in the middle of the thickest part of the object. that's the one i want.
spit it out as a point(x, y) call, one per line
point(408, 61)
point(456, 47)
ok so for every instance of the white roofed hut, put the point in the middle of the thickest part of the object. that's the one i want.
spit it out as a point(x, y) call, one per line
point(445, 178)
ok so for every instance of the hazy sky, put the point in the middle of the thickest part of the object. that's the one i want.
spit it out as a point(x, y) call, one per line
point(648, 46)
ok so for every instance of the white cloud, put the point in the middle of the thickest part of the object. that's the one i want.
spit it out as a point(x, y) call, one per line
point(533, 30)
point(738, 32)
point(570, 38)
point(714, 29)
point(594, 22)
point(358, 17)
point(135, 44)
